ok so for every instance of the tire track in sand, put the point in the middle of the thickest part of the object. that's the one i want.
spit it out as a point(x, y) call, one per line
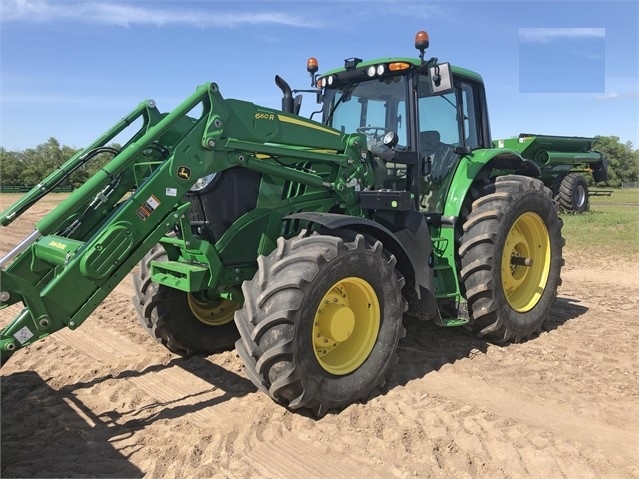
point(189, 396)
point(289, 455)
point(560, 422)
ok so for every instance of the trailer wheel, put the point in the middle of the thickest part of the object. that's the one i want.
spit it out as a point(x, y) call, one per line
point(511, 259)
point(573, 193)
point(321, 321)
point(185, 323)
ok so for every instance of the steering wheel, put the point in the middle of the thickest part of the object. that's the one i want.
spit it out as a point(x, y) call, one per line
point(375, 141)
point(374, 133)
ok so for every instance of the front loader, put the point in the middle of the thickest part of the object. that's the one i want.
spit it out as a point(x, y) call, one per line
point(305, 244)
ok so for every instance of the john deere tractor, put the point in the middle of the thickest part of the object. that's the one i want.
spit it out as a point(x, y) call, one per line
point(304, 244)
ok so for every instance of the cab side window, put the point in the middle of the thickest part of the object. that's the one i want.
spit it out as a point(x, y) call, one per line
point(439, 113)
point(471, 111)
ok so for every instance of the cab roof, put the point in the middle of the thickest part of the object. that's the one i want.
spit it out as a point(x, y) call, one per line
point(361, 65)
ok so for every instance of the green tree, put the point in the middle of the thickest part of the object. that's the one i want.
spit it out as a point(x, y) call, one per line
point(10, 168)
point(40, 161)
point(622, 157)
point(29, 167)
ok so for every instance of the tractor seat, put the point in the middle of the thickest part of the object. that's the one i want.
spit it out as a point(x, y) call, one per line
point(442, 158)
point(429, 142)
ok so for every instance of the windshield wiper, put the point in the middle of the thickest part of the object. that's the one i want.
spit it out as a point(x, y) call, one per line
point(346, 94)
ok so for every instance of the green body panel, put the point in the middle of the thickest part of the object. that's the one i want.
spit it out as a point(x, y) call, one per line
point(555, 155)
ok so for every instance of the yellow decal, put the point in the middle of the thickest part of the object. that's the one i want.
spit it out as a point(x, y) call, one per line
point(57, 244)
point(264, 116)
point(295, 121)
point(330, 152)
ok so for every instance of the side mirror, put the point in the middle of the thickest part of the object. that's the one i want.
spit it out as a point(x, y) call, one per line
point(441, 79)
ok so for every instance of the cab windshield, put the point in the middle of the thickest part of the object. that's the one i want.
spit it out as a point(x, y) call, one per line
point(376, 103)
point(444, 122)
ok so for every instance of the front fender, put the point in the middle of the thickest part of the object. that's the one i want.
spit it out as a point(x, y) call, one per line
point(406, 235)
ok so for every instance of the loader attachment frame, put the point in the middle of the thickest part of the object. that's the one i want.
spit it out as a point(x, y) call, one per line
point(80, 251)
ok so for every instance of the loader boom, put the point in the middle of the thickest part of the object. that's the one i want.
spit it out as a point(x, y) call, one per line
point(82, 249)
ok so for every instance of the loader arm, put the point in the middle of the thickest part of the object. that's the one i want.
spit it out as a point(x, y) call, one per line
point(81, 250)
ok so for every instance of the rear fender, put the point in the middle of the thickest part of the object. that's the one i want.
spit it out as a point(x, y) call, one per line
point(484, 162)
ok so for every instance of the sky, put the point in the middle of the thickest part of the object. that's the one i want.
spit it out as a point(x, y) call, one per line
point(71, 69)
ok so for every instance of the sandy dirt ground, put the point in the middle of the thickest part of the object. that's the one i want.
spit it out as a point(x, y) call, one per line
point(107, 401)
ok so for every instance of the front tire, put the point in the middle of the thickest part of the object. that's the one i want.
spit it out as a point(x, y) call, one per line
point(511, 259)
point(185, 323)
point(321, 321)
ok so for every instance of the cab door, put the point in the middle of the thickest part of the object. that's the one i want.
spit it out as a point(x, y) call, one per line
point(447, 128)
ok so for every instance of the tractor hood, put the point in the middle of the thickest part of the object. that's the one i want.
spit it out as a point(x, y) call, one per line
point(259, 124)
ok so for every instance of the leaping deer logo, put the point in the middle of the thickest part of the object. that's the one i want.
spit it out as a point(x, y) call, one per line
point(184, 173)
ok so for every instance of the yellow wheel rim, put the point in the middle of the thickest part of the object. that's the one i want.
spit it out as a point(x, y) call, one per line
point(212, 313)
point(525, 262)
point(346, 325)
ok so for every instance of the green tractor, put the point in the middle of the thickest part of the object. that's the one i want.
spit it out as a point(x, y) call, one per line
point(303, 244)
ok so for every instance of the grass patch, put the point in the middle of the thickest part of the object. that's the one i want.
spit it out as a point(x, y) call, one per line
point(610, 228)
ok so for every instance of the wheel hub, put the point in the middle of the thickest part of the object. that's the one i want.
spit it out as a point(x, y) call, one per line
point(336, 322)
point(580, 196)
point(212, 313)
point(346, 324)
point(525, 262)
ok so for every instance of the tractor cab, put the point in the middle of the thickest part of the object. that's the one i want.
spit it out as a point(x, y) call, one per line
point(420, 118)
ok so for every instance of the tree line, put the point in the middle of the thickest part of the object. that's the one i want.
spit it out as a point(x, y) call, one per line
point(623, 160)
point(28, 167)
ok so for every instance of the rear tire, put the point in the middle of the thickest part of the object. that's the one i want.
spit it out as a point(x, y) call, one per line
point(321, 321)
point(169, 315)
point(573, 193)
point(515, 218)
